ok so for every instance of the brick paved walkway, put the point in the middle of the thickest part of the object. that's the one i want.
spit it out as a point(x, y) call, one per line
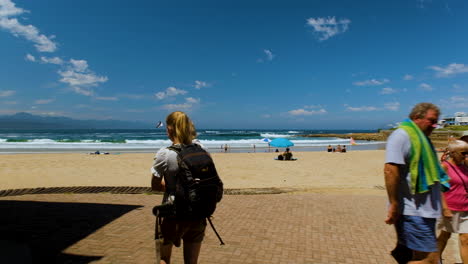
point(118, 228)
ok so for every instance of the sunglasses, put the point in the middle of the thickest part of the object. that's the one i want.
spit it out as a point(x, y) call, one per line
point(464, 153)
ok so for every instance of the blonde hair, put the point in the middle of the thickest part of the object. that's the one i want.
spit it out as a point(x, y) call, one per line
point(181, 127)
point(419, 111)
point(457, 145)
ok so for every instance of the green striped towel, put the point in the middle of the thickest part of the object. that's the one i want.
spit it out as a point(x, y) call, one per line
point(424, 165)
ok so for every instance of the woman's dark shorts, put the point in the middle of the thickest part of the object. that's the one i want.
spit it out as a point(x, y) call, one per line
point(190, 231)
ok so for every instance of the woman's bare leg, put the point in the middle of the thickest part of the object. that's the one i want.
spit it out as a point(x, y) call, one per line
point(191, 252)
point(442, 241)
point(464, 248)
point(166, 251)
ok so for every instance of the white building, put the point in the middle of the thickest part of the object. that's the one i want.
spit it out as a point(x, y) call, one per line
point(460, 119)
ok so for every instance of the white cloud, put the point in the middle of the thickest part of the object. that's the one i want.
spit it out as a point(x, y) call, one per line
point(408, 77)
point(266, 116)
point(425, 87)
point(80, 78)
point(395, 106)
point(112, 98)
point(79, 65)
point(170, 91)
point(174, 107)
point(192, 100)
point(29, 32)
point(6, 93)
point(269, 54)
point(134, 96)
point(371, 82)
point(201, 84)
point(458, 99)
point(303, 112)
point(362, 109)
point(8, 8)
point(75, 73)
point(458, 102)
point(189, 103)
point(388, 90)
point(87, 91)
point(30, 57)
point(328, 27)
point(53, 60)
point(450, 70)
point(312, 106)
point(44, 101)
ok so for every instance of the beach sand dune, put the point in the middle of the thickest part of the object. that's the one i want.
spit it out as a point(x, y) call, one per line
point(313, 171)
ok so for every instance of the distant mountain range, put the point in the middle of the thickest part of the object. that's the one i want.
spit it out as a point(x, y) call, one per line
point(28, 121)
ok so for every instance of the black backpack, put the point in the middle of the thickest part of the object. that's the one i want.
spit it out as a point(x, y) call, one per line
point(197, 188)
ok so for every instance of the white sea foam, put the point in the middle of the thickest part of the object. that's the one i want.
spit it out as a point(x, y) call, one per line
point(149, 145)
point(271, 135)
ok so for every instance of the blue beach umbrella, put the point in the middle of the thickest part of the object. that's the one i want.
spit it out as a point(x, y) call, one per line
point(281, 143)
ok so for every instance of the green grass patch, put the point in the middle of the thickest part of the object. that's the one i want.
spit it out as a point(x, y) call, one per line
point(454, 128)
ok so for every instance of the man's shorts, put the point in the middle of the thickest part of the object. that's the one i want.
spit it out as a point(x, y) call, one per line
point(190, 231)
point(417, 233)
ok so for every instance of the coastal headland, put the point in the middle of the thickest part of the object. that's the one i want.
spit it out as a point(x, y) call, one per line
point(438, 138)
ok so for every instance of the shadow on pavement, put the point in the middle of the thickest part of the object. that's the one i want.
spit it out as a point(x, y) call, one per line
point(38, 232)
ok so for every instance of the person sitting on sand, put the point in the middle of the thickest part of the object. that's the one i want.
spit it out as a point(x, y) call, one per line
point(329, 149)
point(338, 148)
point(287, 154)
point(343, 150)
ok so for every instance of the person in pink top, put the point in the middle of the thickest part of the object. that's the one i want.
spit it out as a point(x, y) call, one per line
point(455, 202)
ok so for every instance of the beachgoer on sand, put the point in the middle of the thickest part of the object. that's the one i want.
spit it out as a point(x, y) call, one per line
point(167, 175)
point(455, 202)
point(338, 148)
point(414, 201)
point(343, 150)
point(287, 154)
point(329, 148)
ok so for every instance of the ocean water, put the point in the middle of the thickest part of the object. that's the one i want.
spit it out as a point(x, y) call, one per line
point(150, 140)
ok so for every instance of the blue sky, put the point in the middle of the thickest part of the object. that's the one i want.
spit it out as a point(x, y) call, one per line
point(234, 64)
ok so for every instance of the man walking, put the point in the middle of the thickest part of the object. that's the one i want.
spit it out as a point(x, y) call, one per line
point(414, 180)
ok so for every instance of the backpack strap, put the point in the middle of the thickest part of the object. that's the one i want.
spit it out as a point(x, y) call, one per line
point(214, 229)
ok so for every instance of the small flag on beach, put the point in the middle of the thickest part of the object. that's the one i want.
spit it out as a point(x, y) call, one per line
point(352, 142)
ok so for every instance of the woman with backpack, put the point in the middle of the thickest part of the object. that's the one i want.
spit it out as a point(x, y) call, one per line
point(165, 169)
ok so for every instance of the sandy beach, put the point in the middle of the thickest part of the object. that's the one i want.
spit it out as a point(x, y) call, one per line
point(356, 172)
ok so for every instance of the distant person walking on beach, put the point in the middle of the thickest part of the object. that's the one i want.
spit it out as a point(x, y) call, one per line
point(414, 180)
point(455, 207)
point(166, 174)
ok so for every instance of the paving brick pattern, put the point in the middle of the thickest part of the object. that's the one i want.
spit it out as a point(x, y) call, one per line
point(261, 229)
